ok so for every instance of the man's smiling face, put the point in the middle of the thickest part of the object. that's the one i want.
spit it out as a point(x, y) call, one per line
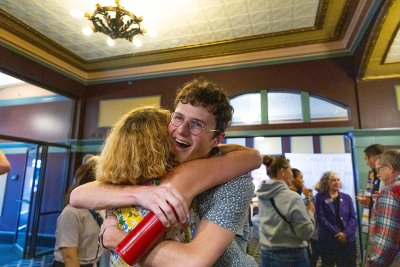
point(189, 146)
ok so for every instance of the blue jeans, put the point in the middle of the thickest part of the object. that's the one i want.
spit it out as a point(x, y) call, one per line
point(285, 257)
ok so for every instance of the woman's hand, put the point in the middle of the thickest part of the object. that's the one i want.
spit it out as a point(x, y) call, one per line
point(310, 207)
point(341, 237)
point(110, 234)
point(307, 193)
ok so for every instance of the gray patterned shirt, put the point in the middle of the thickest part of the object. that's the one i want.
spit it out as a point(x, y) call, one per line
point(227, 205)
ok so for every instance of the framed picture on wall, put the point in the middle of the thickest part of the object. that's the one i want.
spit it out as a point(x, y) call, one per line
point(111, 110)
point(397, 92)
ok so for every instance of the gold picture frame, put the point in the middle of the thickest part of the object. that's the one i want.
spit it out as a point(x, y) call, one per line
point(111, 110)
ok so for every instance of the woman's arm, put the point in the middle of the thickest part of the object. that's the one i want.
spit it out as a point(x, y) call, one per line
point(179, 187)
point(193, 177)
point(301, 219)
point(4, 163)
point(162, 200)
point(229, 148)
point(70, 256)
point(351, 226)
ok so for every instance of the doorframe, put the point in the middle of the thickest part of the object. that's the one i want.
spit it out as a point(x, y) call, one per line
point(30, 245)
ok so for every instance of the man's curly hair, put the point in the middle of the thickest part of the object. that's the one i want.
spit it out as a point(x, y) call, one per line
point(201, 92)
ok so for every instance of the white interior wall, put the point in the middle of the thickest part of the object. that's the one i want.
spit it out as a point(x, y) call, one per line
point(301, 144)
point(268, 145)
point(332, 144)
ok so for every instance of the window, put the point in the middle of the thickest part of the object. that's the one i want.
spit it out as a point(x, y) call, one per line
point(247, 109)
point(322, 110)
point(284, 107)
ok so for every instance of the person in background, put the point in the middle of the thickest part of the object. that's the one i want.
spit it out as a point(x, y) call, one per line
point(78, 229)
point(297, 185)
point(286, 223)
point(86, 158)
point(337, 223)
point(366, 197)
point(371, 153)
point(384, 227)
point(313, 242)
point(5, 165)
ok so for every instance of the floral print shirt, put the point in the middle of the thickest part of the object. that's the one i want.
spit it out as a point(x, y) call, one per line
point(130, 217)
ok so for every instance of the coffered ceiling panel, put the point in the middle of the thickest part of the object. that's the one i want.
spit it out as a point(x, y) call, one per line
point(393, 54)
point(382, 58)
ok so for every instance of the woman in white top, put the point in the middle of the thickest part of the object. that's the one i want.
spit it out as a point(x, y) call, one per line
point(78, 229)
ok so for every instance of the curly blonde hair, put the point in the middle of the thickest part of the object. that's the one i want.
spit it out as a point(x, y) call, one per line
point(139, 147)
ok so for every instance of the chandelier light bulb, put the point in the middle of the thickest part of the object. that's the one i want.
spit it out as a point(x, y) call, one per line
point(151, 32)
point(136, 42)
point(87, 31)
point(76, 13)
point(110, 42)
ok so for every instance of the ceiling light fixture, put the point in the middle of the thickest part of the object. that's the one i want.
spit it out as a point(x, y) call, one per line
point(116, 22)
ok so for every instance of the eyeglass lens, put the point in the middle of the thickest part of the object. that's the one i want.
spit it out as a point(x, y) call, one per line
point(195, 126)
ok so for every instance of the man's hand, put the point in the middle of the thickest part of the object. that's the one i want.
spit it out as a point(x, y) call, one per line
point(363, 200)
point(341, 237)
point(164, 200)
point(110, 234)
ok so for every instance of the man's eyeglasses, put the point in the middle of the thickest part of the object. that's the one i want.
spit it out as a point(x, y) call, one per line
point(196, 127)
point(379, 168)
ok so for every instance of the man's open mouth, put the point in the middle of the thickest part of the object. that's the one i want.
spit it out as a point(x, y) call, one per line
point(182, 144)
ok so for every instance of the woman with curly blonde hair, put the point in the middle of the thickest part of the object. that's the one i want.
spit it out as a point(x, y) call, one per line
point(139, 151)
point(138, 148)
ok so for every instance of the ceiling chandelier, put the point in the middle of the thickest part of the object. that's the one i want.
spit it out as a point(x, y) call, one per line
point(116, 22)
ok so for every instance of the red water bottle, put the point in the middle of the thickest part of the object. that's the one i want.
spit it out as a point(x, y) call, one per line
point(140, 239)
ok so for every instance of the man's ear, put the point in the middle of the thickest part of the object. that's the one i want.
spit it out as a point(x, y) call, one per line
point(218, 139)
